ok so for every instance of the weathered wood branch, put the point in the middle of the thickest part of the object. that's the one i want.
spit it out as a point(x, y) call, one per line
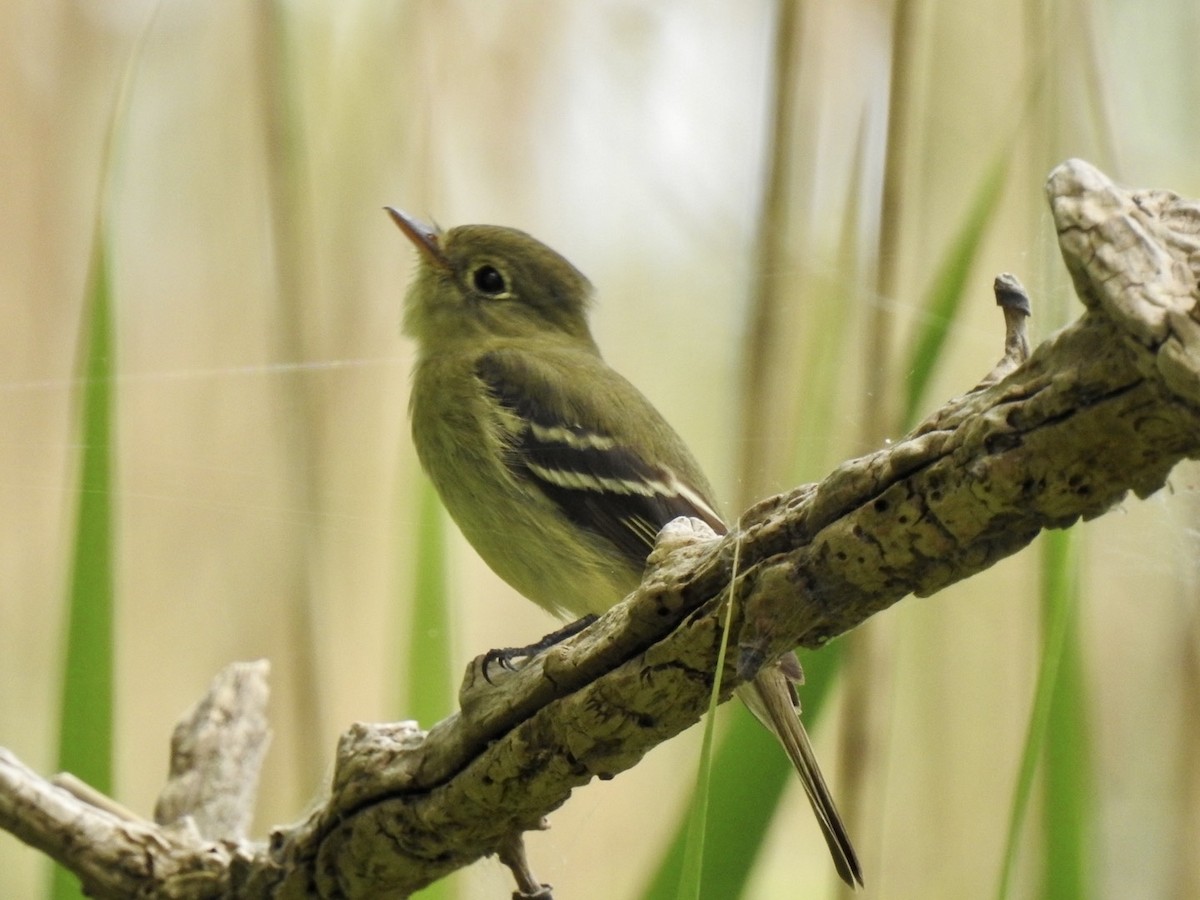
point(1106, 406)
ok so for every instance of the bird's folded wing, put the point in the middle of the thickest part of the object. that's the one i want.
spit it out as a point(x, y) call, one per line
point(595, 478)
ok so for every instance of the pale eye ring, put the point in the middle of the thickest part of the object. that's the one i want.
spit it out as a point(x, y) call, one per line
point(488, 280)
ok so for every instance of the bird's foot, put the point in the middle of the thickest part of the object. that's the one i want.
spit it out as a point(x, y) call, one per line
point(510, 658)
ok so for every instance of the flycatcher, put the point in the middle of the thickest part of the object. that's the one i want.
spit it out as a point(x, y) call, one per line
point(558, 471)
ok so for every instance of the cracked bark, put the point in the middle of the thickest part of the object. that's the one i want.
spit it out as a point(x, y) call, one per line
point(1106, 406)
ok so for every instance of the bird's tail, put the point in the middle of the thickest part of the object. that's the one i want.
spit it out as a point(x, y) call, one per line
point(771, 697)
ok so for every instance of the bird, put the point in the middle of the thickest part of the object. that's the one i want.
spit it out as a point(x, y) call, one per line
point(557, 470)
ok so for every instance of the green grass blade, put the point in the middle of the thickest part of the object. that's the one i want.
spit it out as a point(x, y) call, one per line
point(692, 869)
point(86, 730)
point(1067, 783)
point(86, 712)
point(945, 294)
point(85, 737)
point(430, 694)
point(749, 774)
point(1059, 590)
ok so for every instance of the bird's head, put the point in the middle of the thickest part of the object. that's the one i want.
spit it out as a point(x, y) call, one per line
point(479, 281)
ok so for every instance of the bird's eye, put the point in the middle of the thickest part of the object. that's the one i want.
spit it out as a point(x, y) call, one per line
point(488, 280)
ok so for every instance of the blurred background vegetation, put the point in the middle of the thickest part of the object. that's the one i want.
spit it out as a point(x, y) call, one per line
point(793, 214)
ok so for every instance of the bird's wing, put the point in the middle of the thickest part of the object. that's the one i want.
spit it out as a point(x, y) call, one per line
point(582, 464)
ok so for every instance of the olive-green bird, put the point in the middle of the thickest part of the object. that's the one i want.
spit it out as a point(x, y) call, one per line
point(558, 471)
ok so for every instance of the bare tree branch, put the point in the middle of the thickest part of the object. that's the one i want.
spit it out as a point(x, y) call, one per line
point(216, 755)
point(1106, 406)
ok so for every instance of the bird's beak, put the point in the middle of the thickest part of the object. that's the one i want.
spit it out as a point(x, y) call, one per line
point(424, 237)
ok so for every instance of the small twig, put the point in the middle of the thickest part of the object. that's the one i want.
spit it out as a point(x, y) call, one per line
point(512, 854)
point(1012, 298)
point(81, 790)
